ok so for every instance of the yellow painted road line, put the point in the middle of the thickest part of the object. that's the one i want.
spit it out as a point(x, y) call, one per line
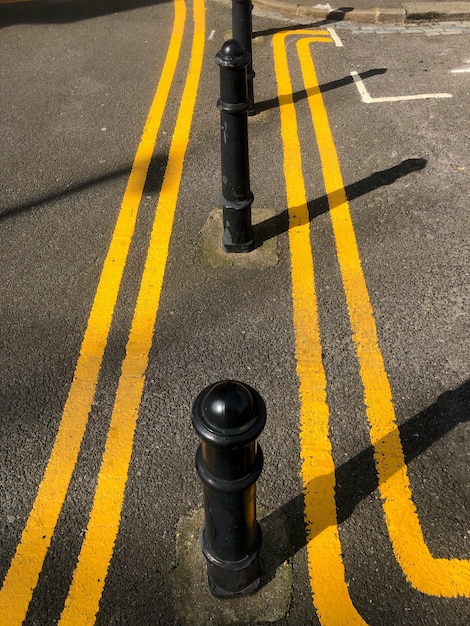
point(330, 591)
point(85, 592)
point(23, 574)
point(433, 576)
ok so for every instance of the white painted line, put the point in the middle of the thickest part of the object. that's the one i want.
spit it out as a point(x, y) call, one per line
point(361, 88)
point(334, 36)
point(211, 36)
point(461, 71)
point(367, 98)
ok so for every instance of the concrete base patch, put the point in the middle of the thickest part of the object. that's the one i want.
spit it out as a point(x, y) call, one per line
point(261, 116)
point(196, 606)
point(263, 256)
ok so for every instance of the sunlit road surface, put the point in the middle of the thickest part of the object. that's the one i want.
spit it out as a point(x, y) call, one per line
point(113, 322)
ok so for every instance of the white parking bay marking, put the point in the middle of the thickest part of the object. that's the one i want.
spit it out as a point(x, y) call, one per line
point(462, 70)
point(368, 99)
point(334, 36)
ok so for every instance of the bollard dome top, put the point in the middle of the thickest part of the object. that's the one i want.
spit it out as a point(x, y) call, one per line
point(232, 48)
point(228, 405)
point(232, 55)
point(229, 413)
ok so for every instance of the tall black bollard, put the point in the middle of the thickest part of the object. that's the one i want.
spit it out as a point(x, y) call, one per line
point(233, 105)
point(228, 417)
point(242, 31)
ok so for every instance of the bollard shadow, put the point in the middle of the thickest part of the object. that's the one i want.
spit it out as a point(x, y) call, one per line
point(284, 530)
point(279, 223)
point(303, 94)
point(335, 15)
point(153, 183)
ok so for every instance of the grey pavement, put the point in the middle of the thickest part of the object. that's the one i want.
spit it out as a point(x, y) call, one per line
point(374, 11)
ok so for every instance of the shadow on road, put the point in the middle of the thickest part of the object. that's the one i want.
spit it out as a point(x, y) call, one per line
point(280, 223)
point(64, 11)
point(153, 182)
point(303, 94)
point(357, 478)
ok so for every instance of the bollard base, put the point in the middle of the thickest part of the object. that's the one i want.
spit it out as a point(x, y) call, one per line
point(264, 255)
point(228, 579)
point(236, 247)
point(237, 229)
point(217, 592)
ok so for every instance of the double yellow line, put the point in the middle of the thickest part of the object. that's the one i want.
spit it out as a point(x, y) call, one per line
point(88, 580)
point(434, 576)
point(327, 575)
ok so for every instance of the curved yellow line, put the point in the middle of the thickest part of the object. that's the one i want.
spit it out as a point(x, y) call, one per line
point(26, 565)
point(326, 569)
point(433, 576)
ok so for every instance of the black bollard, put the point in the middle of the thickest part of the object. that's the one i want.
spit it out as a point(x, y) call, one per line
point(228, 417)
point(242, 31)
point(233, 104)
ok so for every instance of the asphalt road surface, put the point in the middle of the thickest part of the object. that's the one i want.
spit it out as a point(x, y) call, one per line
point(113, 318)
